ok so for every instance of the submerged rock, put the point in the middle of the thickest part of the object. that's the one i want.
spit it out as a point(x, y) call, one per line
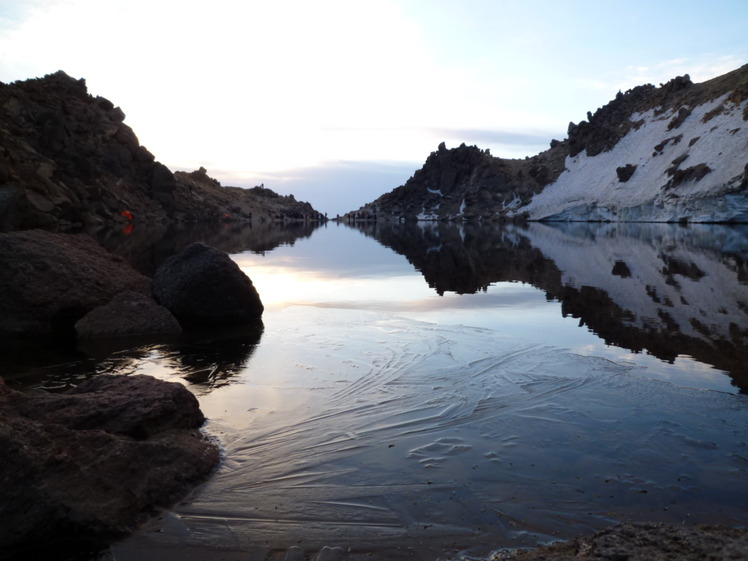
point(95, 462)
point(203, 286)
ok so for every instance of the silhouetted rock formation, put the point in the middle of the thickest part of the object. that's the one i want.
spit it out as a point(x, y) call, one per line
point(466, 183)
point(67, 160)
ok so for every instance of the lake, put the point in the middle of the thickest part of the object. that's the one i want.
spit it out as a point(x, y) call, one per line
point(443, 391)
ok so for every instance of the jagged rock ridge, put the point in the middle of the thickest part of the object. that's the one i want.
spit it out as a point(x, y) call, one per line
point(68, 160)
point(678, 152)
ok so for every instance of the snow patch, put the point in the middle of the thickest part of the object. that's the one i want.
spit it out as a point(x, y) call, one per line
point(589, 188)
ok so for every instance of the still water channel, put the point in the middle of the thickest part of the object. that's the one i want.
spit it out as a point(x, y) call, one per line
point(443, 391)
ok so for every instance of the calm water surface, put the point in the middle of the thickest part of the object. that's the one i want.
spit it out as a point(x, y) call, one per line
point(444, 391)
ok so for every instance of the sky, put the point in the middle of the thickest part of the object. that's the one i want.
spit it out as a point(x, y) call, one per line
point(340, 101)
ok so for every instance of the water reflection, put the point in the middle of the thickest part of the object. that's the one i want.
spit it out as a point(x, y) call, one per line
point(146, 246)
point(665, 289)
point(212, 360)
point(205, 360)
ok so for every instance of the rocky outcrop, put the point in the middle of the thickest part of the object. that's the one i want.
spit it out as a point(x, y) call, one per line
point(674, 153)
point(198, 197)
point(49, 281)
point(202, 286)
point(94, 462)
point(644, 542)
point(68, 160)
point(465, 183)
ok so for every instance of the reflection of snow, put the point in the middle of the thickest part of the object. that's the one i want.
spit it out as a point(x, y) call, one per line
point(364, 430)
point(706, 306)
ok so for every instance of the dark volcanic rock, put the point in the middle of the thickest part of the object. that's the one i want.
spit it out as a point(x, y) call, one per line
point(466, 183)
point(646, 542)
point(625, 172)
point(129, 314)
point(49, 281)
point(67, 160)
point(202, 285)
point(96, 462)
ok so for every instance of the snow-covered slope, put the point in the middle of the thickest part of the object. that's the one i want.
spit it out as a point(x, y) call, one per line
point(694, 171)
point(673, 153)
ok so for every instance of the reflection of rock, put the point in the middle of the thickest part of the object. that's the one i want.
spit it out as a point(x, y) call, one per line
point(665, 289)
point(466, 258)
point(95, 461)
point(685, 294)
point(146, 247)
point(49, 281)
point(212, 359)
point(646, 542)
point(202, 285)
point(129, 314)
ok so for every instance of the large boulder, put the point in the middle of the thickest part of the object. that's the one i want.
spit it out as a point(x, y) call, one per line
point(129, 314)
point(94, 463)
point(203, 286)
point(48, 281)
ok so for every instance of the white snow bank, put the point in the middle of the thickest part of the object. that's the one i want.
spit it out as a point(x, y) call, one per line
point(589, 188)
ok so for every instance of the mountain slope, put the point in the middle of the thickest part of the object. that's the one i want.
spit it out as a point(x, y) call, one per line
point(678, 152)
point(67, 160)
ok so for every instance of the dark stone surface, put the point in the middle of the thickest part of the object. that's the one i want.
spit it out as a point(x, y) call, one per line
point(625, 172)
point(129, 314)
point(203, 286)
point(49, 281)
point(96, 462)
point(136, 406)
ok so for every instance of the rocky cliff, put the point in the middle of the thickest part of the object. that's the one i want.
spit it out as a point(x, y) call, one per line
point(674, 153)
point(68, 160)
